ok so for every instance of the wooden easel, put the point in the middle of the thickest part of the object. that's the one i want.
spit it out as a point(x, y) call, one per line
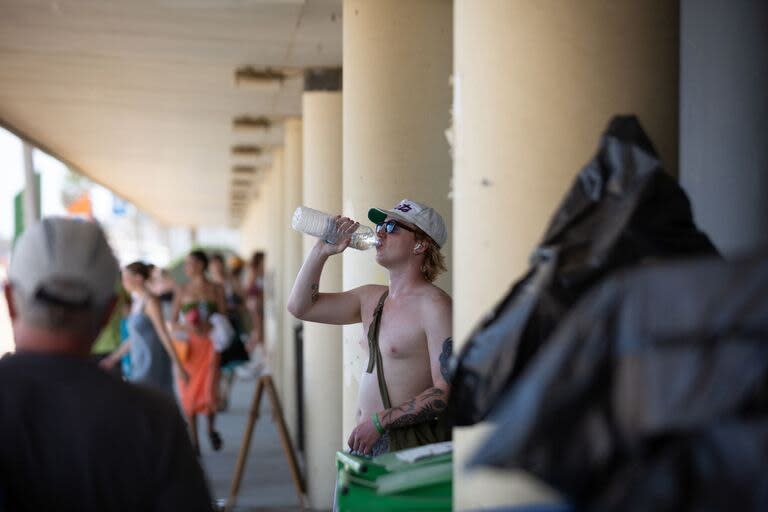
point(265, 383)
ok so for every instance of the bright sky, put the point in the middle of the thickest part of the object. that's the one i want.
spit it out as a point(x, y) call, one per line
point(12, 172)
point(52, 172)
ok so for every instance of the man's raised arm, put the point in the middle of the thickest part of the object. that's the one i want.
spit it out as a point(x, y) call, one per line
point(306, 302)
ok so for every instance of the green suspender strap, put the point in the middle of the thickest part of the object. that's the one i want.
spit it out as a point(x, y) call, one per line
point(433, 431)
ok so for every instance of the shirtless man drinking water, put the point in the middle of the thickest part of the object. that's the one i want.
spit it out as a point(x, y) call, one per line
point(414, 325)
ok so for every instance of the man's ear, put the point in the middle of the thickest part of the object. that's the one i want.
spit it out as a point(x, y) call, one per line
point(418, 248)
point(8, 289)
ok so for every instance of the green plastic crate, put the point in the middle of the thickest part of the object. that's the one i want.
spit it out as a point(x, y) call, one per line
point(388, 482)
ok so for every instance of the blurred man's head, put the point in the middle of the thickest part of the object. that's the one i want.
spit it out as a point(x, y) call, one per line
point(62, 279)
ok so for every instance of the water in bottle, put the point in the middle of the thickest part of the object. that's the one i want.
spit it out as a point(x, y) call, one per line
point(322, 225)
point(364, 238)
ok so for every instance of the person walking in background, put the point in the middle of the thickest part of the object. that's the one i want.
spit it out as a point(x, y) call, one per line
point(75, 438)
point(233, 289)
point(235, 353)
point(110, 337)
point(164, 287)
point(153, 357)
point(254, 288)
point(236, 266)
point(254, 304)
point(236, 296)
point(197, 300)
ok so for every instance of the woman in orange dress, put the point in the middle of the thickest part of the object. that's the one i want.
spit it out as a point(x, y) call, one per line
point(196, 301)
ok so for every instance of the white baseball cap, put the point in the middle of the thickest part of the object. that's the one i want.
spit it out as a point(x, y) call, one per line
point(64, 260)
point(425, 218)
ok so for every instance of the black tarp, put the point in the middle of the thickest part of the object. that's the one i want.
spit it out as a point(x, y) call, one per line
point(623, 209)
point(651, 395)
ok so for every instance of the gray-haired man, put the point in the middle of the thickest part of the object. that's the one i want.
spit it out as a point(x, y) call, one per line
point(72, 436)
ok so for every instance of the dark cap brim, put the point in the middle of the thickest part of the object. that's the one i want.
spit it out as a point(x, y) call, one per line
point(376, 215)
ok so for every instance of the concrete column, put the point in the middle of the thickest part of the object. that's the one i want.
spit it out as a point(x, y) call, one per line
point(397, 99)
point(322, 343)
point(31, 208)
point(273, 277)
point(292, 197)
point(724, 120)
point(535, 84)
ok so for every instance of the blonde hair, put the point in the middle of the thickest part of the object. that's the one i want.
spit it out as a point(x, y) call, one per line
point(434, 261)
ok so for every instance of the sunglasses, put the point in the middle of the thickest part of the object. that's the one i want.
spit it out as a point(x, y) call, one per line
point(391, 225)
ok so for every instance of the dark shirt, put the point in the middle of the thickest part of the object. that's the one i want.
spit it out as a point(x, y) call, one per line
point(74, 438)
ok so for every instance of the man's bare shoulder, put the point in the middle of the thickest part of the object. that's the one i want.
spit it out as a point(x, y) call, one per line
point(369, 296)
point(435, 307)
point(436, 298)
point(370, 292)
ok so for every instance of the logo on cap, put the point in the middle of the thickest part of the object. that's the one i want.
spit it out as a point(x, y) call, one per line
point(404, 207)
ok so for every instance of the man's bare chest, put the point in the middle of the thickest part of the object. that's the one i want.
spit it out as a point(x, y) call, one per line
point(401, 333)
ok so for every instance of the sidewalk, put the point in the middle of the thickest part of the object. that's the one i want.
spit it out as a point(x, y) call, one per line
point(266, 483)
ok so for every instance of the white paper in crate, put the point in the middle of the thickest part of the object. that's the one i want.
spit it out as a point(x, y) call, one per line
point(420, 452)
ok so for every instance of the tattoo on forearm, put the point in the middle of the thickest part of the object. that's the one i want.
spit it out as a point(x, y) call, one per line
point(315, 293)
point(445, 359)
point(423, 408)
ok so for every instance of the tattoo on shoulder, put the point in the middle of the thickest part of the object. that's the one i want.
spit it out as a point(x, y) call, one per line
point(445, 358)
point(315, 292)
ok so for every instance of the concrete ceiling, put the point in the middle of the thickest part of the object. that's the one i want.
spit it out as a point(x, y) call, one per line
point(140, 95)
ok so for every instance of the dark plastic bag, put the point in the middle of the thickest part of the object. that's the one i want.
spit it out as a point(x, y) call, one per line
point(623, 209)
point(651, 395)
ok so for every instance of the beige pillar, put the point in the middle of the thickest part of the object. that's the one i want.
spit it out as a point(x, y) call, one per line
point(397, 99)
point(535, 84)
point(292, 197)
point(322, 343)
point(273, 287)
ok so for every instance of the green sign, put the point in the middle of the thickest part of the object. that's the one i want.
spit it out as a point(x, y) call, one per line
point(18, 209)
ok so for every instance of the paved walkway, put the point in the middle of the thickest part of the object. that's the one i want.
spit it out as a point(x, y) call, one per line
point(266, 484)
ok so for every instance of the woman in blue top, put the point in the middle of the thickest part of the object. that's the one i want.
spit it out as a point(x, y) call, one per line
point(152, 353)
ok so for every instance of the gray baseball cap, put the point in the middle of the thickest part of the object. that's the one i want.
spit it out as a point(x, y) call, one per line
point(63, 260)
point(427, 219)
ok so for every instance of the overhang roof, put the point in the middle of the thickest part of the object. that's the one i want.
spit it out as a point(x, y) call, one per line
point(140, 95)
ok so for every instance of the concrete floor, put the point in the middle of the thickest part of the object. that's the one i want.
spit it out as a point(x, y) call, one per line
point(266, 483)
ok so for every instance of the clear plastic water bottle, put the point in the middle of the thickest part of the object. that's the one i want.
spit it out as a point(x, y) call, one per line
point(323, 225)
